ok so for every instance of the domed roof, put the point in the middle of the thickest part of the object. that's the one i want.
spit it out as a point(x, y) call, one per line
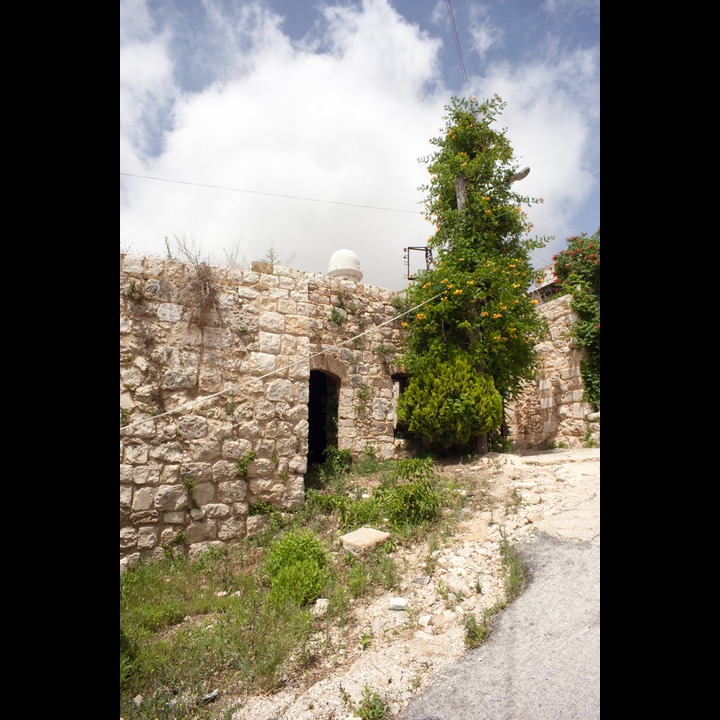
point(345, 263)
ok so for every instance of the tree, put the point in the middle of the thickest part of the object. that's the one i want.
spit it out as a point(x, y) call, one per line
point(577, 271)
point(473, 301)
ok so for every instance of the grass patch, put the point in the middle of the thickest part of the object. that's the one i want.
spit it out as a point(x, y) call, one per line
point(239, 619)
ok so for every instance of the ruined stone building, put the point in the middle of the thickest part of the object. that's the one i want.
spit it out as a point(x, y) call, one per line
point(232, 381)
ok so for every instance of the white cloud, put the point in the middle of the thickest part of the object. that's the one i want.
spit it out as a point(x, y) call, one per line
point(342, 116)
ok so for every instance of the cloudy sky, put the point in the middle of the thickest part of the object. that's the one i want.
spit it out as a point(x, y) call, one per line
point(296, 127)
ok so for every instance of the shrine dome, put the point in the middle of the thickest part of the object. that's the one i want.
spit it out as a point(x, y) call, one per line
point(345, 263)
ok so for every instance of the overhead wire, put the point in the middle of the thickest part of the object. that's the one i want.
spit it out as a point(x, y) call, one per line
point(257, 192)
point(457, 45)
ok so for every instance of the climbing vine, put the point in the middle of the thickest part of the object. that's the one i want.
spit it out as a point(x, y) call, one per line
point(577, 272)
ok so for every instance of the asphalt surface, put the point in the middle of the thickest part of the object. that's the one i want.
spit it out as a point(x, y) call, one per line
point(542, 658)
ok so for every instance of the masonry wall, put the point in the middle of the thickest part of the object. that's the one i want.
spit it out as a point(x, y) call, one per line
point(215, 364)
point(551, 412)
point(213, 367)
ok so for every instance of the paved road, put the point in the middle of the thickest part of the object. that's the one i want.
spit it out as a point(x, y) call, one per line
point(542, 659)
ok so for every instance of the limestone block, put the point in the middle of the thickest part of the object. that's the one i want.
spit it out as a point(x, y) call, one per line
point(170, 497)
point(170, 312)
point(125, 497)
point(363, 539)
point(247, 293)
point(232, 491)
point(143, 499)
point(269, 343)
point(232, 529)
point(204, 493)
point(280, 390)
point(147, 538)
point(204, 451)
point(202, 530)
point(136, 454)
point(128, 538)
point(193, 426)
point(145, 475)
point(174, 518)
point(272, 322)
point(224, 470)
point(262, 363)
point(217, 510)
point(199, 472)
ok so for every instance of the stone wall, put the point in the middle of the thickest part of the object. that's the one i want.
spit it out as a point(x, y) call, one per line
point(215, 365)
point(551, 412)
point(215, 368)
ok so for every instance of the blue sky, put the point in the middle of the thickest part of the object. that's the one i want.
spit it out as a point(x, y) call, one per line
point(298, 126)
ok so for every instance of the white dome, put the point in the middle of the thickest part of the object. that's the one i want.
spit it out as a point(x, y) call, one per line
point(345, 263)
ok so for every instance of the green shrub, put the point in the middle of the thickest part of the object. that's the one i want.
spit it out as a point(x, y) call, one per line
point(410, 503)
point(301, 582)
point(297, 565)
point(448, 404)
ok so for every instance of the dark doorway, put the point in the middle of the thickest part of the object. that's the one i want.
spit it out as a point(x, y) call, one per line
point(322, 415)
point(402, 380)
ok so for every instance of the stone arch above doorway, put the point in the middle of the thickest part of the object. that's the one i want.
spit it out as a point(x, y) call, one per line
point(331, 364)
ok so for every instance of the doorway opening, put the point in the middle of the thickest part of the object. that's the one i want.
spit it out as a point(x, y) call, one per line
point(322, 415)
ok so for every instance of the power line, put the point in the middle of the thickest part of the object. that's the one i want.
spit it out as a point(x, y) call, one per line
point(457, 45)
point(257, 192)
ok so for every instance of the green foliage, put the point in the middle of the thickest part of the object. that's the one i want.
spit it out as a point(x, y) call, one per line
point(577, 270)
point(243, 463)
point(261, 507)
point(448, 403)
point(411, 503)
point(475, 632)
point(337, 316)
point(297, 565)
point(513, 569)
point(134, 291)
point(367, 463)
point(190, 484)
point(372, 705)
point(474, 299)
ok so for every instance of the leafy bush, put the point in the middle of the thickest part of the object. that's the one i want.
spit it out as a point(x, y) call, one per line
point(577, 269)
point(410, 503)
point(448, 404)
point(297, 565)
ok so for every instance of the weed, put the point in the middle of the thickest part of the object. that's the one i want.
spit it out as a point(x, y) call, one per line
point(124, 417)
point(366, 640)
point(243, 463)
point(475, 632)
point(190, 484)
point(261, 507)
point(297, 566)
point(337, 316)
point(134, 291)
point(515, 501)
point(385, 351)
point(513, 568)
point(372, 705)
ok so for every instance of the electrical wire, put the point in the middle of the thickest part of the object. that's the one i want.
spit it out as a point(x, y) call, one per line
point(257, 192)
point(457, 45)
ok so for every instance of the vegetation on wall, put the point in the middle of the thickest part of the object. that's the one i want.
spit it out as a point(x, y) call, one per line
point(473, 307)
point(577, 271)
